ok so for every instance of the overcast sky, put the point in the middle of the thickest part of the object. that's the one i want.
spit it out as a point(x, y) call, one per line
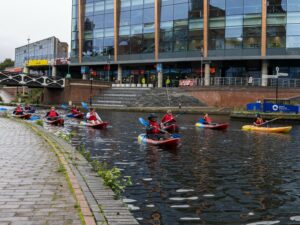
point(36, 19)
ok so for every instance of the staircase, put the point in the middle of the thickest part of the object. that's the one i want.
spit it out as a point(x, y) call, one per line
point(145, 97)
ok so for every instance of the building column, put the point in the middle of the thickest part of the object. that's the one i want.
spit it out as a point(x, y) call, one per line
point(54, 71)
point(207, 75)
point(26, 70)
point(159, 79)
point(157, 28)
point(119, 74)
point(264, 73)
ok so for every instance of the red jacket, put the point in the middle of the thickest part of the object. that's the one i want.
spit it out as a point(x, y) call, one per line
point(154, 128)
point(19, 109)
point(207, 119)
point(168, 119)
point(92, 117)
point(52, 113)
point(74, 111)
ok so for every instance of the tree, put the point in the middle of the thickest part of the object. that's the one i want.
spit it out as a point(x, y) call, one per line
point(6, 63)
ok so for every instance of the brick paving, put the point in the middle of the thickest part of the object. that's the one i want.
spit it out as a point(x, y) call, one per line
point(32, 190)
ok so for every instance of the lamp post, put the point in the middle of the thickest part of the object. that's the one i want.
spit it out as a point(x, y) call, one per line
point(201, 74)
point(108, 69)
point(91, 87)
point(28, 40)
point(277, 76)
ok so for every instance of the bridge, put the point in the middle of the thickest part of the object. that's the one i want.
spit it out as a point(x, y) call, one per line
point(30, 80)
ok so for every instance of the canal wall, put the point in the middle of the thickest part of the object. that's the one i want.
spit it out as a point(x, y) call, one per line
point(231, 97)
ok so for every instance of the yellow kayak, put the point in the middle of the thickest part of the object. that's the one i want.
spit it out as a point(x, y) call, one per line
point(267, 129)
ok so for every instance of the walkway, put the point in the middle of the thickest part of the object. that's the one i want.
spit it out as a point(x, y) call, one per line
point(33, 190)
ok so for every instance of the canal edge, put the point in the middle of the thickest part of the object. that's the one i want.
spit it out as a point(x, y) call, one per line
point(97, 203)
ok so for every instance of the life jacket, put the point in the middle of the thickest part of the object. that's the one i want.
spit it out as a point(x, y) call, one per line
point(207, 119)
point(92, 117)
point(168, 118)
point(74, 111)
point(155, 128)
point(259, 121)
point(19, 109)
point(52, 113)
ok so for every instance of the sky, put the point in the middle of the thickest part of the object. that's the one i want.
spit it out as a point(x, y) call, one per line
point(34, 19)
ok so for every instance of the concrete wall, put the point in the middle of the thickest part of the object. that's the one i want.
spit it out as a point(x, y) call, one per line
point(238, 97)
point(75, 91)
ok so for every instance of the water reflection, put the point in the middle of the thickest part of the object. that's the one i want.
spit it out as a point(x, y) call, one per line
point(231, 177)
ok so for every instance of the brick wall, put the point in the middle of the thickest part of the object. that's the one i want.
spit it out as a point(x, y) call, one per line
point(238, 97)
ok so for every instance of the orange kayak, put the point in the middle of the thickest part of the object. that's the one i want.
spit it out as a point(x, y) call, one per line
point(267, 129)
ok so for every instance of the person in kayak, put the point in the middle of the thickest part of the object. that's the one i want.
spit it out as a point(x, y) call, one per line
point(154, 131)
point(75, 110)
point(27, 107)
point(52, 114)
point(168, 119)
point(258, 121)
point(206, 119)
point(18, 110)
point(93, 117)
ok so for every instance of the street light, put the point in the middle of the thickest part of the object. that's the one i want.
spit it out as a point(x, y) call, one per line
point(28, 40)
point(108, 69)
point(277, 76)
point(91, 91)
point(201, 75)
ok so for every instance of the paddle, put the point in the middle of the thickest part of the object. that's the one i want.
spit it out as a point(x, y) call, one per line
point(34, 118)
point(146, 124)
point(85, 106)
point(3, 109)
point(64, 106)
point(258, 125)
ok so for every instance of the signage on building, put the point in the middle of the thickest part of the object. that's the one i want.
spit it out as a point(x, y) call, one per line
point(14, 70)
point(159, 67)
point(188, 82)
point(84, 69)
point(36, 62)
point(61, 61)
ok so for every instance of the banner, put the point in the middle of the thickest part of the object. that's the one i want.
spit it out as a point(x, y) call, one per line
point(188, 82)
point(36, 62)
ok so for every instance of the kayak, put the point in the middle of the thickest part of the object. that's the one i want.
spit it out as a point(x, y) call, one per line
point(30, 111)
point(267, 129)
point(24, 116)
point(172, 128)
point(56, 122)
point(171, 142)
point(213, 126)
point(77, 116)
point(102, 125)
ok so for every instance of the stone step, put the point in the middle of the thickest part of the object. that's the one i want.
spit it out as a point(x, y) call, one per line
point(122, 95)
point(109, 105)
point(109, 102)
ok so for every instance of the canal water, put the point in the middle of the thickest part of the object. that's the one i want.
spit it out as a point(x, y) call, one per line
point(214, 177)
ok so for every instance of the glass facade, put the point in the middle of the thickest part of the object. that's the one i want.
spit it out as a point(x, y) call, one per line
point(234, 28)
point(234, 24)
point(136, 27)
point(181, 25)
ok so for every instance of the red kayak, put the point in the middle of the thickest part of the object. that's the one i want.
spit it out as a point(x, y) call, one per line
point(56, 122)
point(171, 142)
point(213, 126)
point(102, 125)
point(24, 116)
point(172, 128)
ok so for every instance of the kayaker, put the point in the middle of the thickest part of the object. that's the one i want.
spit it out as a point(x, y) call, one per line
point(168, 119)
point(27, 107)
point(259, 120)
point(18, 110)
point(93, 117)
point(154, 131)
point(75, 110)
point(52, 114)
point(206, 119)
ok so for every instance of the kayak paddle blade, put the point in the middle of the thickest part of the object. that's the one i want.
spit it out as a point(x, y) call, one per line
point(34, 118)
point(64, 106)
point(3, 109)
point(176, 136)
point(85, 106)
point(143, 122)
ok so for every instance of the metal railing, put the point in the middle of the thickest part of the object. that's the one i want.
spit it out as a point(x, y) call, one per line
point(255, 82)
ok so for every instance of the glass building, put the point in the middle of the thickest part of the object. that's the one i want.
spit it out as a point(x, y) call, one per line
point(126, 40)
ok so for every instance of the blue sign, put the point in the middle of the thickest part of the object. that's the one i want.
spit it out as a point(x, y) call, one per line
point(271, 107)
point(84, 69)
point(159, 67)
point(254, 107)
